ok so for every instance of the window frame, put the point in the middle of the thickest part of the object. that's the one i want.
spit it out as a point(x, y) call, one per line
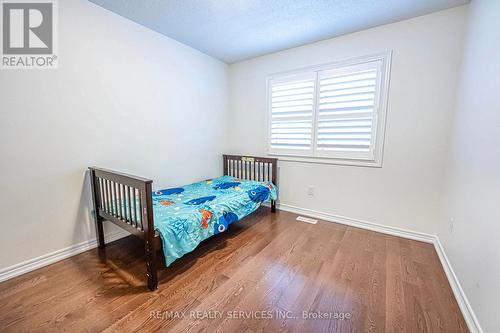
point(375, 158)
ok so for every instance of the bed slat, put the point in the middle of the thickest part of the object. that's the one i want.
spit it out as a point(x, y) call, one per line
point(109, 197)
point(120, 202)
point(134, 202)
point(138, 224)
point(117, 203)
point(129, 206)
point(106, 194)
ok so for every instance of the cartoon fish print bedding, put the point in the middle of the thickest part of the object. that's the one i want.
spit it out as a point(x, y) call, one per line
point(185, 216)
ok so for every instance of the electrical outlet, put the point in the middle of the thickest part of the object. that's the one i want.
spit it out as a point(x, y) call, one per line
point(310, 191)
point(452, 224)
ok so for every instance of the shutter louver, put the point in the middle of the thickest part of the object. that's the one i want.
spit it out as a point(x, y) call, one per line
point(292, 107)
point(347, 109)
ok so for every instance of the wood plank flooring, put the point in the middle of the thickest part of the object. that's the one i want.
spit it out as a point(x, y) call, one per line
point(259, 276)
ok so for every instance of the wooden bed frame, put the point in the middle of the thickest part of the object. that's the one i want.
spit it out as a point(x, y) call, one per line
point(114, 197)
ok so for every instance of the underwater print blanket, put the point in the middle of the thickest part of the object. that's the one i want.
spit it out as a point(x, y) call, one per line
point(185, 216)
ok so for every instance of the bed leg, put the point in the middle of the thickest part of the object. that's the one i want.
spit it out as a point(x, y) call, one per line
point(100, 232)
point(273, 206)
point(149, 233)
point(151, 269)
point(94, 184)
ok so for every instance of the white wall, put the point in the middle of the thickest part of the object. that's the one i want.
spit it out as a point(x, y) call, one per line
point(405, 192)
point(125, 98)
point(472, 193)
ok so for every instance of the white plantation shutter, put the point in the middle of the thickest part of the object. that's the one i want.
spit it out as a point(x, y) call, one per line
point(347, 107)
point(292, 112)
point(335, 111)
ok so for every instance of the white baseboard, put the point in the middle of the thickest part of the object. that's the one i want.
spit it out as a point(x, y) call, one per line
point(463, 303)
point(50, 258)
point(419, 236)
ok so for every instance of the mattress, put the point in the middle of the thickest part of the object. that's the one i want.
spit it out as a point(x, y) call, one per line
point(185, 216)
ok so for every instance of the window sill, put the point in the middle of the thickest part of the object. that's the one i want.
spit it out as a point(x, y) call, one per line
point(320, 160)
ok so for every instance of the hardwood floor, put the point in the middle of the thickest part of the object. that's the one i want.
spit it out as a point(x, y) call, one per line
point(268, 265)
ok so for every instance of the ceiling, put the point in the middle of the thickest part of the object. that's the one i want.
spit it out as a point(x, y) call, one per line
point(235, 30)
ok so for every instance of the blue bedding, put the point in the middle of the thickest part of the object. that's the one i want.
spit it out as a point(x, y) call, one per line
point(185, 216)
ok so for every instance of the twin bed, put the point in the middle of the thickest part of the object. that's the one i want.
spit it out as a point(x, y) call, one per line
point(175, 220)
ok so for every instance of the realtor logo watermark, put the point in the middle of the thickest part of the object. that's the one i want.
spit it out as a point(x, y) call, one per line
point(29, 34)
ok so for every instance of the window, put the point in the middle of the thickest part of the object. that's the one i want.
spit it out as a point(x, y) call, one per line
point(332, 113)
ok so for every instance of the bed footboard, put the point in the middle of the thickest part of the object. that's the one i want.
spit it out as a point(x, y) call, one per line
point(126, 201)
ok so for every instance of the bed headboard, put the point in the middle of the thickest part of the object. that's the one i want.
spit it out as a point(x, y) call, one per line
point(251, 168)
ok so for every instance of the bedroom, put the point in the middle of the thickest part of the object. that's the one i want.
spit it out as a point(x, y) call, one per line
point(401, 199)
